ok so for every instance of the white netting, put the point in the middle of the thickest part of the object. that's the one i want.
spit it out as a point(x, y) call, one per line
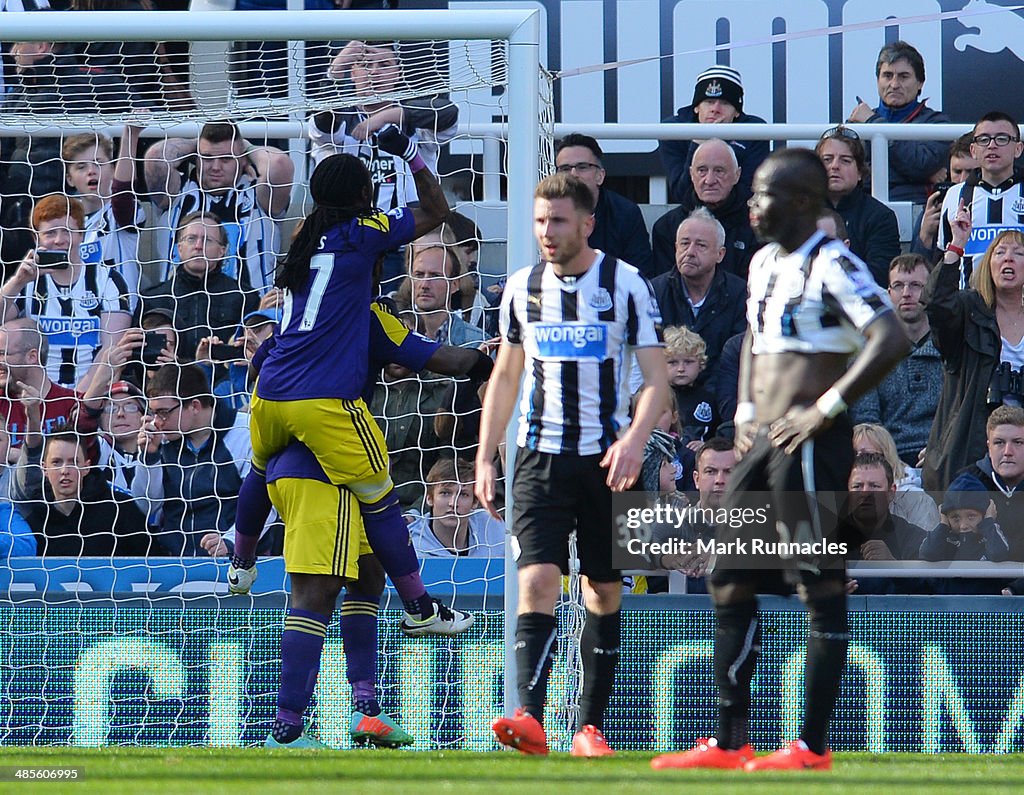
point(77, 672)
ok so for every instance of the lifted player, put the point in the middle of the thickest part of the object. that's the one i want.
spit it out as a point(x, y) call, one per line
point(812, 306)
point(310, 384)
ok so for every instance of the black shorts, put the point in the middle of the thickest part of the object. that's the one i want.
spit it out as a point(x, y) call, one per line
point(552, 495)
point(807, 492)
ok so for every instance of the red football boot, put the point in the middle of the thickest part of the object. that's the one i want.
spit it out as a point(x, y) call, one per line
point(795, 756)
point(705, 754)
point(522, 731)
point(589, 741)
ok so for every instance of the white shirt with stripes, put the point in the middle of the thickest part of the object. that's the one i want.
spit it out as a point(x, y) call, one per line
point(115, 247)
point(72, 317)
point(817, 299)
point(576, 335)
point(254, 237)
point(993, 210)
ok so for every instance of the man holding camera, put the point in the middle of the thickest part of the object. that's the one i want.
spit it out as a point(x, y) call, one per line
point(192, 460)
point(80, 307)
point(200, 298)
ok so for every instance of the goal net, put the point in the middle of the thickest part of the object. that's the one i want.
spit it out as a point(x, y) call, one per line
point(115, 626)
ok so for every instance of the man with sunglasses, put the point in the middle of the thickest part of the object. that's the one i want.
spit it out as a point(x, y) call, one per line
point(900, 75)
point(993, 196)
point(873, 230)
point(619, 228)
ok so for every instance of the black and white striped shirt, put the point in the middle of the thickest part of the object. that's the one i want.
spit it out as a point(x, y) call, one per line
point(818, 299)
point(575, 336)
point(72, 317)
point(114, 246)
point(993, 210)
point(254, 237)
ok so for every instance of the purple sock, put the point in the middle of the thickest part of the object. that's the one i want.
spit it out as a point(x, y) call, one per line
point(250, 517)
point(359, 638)
point(302, 642)
point(388, 535)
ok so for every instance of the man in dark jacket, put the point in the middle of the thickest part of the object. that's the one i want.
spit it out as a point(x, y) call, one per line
point(697, 293)
point(871, 529)
point(192, 462)
point(71, 508)
point(717, 99)
point(716, 185)
point(872, 532)
point(873, 229)
point(912, 164)
point(202, 300)
point(619, 228)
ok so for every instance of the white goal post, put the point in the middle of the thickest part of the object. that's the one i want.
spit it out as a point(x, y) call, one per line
point(521, 128)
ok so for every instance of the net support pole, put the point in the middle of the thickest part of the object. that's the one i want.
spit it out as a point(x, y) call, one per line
point(522, 168)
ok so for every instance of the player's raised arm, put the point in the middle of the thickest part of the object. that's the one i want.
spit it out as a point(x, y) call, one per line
point(433, 204)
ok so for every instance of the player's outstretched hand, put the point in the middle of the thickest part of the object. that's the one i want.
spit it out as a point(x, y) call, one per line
point(486, 486)
point(623, 460)
point(214, 545)
point(392, 140)
point(798, 425)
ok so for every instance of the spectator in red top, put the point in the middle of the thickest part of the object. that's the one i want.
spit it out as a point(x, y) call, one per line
point(23, 353)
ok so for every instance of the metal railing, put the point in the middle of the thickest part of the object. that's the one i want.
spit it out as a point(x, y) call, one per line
point(878, 137)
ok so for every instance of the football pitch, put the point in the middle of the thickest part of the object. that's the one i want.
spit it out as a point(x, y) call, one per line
point(197, 771)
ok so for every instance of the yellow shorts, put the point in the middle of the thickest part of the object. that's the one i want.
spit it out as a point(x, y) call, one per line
point(323, 531)
point(342, 434)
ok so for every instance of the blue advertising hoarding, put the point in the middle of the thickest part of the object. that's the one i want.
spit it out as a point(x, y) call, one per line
point(81, 675)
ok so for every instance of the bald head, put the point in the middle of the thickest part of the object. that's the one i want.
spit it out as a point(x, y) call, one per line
point(799, 171)
point(789, 194)
point(714, 171)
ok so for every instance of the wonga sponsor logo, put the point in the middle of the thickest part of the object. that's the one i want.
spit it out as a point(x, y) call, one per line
point(71, 331)
point(571, 340)
point(982, 237)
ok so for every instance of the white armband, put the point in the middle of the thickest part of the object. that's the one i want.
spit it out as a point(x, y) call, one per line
point(745, 412)
point(831, 404)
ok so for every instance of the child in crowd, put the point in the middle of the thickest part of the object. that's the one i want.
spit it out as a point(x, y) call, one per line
point(113, 213)
point(686, 357)
point(454, 524)
point(968, 530)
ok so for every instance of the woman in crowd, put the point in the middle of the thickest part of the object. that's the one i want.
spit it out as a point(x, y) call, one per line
point(980, 334)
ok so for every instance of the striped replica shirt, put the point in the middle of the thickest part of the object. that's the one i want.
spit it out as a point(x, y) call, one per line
point(817, 299)
point(575, 335)
point(72, 317)
point(993, 209)
point(114, 246)
point(254, 237)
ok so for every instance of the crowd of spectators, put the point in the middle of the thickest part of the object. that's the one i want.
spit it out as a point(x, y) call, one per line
point(125, 388)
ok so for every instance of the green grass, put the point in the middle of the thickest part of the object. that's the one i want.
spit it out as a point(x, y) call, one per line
point(197, 771)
